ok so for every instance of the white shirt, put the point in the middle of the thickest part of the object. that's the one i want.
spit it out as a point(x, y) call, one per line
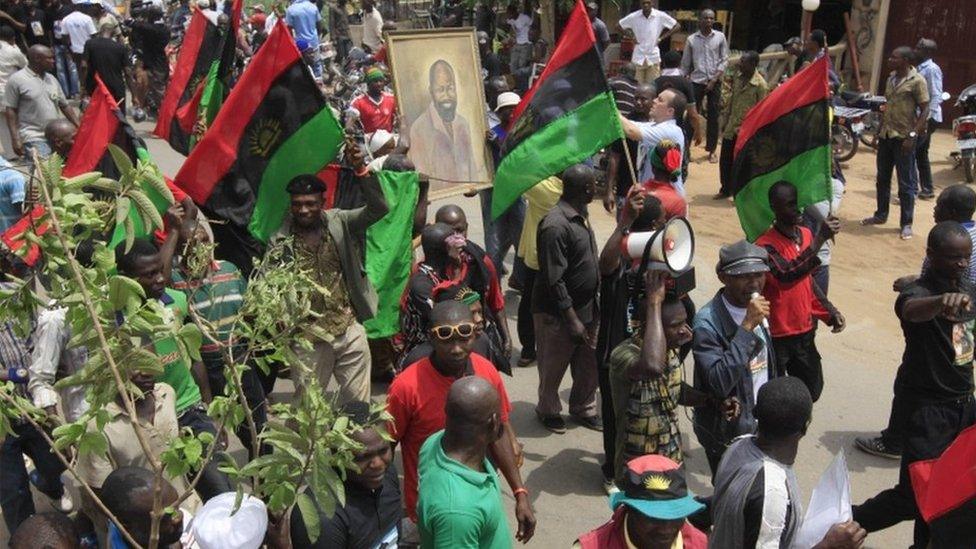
point(52, 356)
point(11, 61)
point(373, 29)
point(647, 31)
point(521, 24)
point(759, 364)
point(653, 133)
point(79, 28)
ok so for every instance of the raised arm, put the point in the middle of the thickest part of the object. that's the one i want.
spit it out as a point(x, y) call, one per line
point(654, 347)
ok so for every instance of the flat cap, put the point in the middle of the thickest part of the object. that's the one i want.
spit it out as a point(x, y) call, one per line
point(740, 258)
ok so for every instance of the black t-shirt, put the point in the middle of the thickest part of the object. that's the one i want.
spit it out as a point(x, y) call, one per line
point(492, 64)
point(624, 178)
point(367, 518)
point(108, 59)
point(38, 27)
point(149, 41)
point(937, 365)
point(18, 12)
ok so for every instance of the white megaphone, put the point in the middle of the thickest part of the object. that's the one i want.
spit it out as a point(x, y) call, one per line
point(672, 246)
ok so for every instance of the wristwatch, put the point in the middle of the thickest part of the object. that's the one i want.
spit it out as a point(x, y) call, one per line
point(912, 135)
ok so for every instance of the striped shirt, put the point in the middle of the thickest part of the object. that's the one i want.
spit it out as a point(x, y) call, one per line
point(14, 350)
point(217, 298)
point(623, 93)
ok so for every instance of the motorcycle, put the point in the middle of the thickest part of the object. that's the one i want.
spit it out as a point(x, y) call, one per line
point(871, 120)
point(964, 129)
point(847, 126)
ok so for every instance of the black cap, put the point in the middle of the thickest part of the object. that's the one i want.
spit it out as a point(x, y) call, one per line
point(740, 258)
point(305, 184)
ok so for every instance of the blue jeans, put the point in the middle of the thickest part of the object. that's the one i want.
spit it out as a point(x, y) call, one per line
point(15, 492)
point(502, 233)
point(891, 157)
point(41, 146)
point(67, 71)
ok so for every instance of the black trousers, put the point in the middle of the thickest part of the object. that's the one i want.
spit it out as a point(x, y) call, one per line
point(922, 160)
point(893, 435)
point(797, 356)
point(712, 101)
point(725, 166)
point(929, 430)
point(16, 501)
point(253, 394)
point(609, 420)
point(526, 331)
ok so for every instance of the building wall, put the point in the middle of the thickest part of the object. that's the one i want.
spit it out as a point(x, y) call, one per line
point(952, 24)
point(882, 25)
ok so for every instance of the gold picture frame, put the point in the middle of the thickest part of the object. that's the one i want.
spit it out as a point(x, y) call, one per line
point(446, 144)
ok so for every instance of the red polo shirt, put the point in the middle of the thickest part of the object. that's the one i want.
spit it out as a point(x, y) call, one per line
point(416, 401)
point(375, 116)
point(789, 285)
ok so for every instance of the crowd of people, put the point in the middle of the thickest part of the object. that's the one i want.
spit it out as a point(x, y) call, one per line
point(617, 325)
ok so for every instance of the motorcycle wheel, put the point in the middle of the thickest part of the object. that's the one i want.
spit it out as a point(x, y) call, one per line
point(968, 167)
point(843, 142)
point(869, 137)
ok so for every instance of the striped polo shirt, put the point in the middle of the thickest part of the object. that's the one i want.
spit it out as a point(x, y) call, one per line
point(217, 298)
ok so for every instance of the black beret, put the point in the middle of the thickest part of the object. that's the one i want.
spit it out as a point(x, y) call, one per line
point(305, 184)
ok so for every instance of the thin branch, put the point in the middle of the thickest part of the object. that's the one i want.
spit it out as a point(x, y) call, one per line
point(102, 340)
point(67, 465)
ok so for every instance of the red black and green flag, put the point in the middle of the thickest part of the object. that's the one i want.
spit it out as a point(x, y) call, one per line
point(274, 126)
point(102, 124)
point(218, 79)
point(567, 116)
point(202, 46)
point(945, 491)
point(786, 136)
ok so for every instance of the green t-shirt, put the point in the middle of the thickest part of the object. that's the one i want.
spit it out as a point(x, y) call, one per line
point(458, 507)
point(176, 371)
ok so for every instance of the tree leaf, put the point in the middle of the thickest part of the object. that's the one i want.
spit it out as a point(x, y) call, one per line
point(310, 516)
point(121, 159)
point(122, 206)
point(193, 450)
point(93, 443)
point(192, 337)
point(121, 290)
point(147, 209)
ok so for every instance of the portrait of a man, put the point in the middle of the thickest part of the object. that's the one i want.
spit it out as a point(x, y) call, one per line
point(443, 110)
point(440, 139)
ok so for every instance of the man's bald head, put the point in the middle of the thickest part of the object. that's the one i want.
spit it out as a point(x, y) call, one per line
point(60, 134)
point(453, 215)
point(450, 313)
point(432, 240)
point(471, 403)
point(40, 58)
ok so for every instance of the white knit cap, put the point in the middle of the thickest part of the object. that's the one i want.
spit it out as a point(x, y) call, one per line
point(214, 527)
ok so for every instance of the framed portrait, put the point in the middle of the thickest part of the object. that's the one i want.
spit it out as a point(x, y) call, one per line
point(441, 99)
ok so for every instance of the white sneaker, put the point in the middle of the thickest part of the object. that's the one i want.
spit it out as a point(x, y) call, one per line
point(65, 504)
point(609, 487)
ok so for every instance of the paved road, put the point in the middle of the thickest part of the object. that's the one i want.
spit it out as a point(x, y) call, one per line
point(562, 471)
